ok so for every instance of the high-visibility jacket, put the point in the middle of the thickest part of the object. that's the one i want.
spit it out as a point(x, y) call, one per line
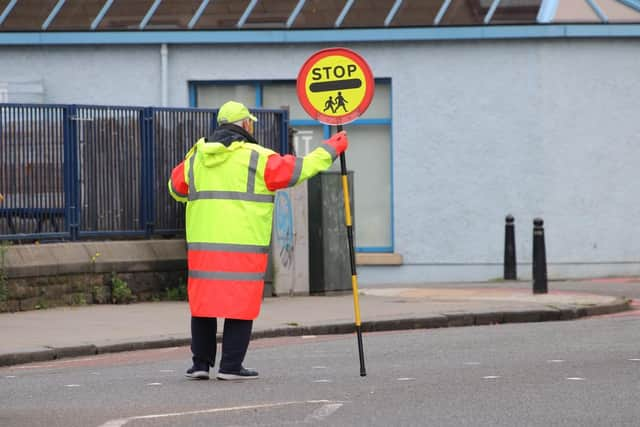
point(229, 190)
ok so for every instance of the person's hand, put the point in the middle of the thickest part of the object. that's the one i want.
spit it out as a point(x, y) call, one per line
point(339, 142)
point(1, 198)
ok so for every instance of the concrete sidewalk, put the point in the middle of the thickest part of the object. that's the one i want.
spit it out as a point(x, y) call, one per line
point(87, 330)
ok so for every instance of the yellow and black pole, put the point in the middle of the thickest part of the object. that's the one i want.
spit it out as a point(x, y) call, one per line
point(328, 81)
point(352, 257)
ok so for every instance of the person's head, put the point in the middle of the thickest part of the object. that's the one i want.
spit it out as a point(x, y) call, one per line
point(238, 114)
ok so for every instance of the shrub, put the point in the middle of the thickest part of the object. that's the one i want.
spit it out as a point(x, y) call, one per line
point(179, 293)
point(120, 292)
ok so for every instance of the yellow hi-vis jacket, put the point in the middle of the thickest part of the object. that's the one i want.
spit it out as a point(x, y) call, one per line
point(229, 191)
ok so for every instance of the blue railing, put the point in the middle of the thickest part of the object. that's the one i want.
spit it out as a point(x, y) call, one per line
point(71, 172)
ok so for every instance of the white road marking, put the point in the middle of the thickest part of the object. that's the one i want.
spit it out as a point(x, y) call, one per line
point(406, 379)
point(575, 379)
point(154, 384)
point(555, 361)
point(324, 413)
point(471, 363)
point(116, 423)
point(634, 360)
point(318, 367)
point(10, 376)
point(95, 373)
point(308, 337)
point(72, 385)
point(491, 377)
point(322, 381)
point(167, 370)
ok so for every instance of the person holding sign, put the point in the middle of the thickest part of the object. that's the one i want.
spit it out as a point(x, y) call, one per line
point(228, 182)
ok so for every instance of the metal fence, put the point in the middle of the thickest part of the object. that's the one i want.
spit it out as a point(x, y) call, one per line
point(70, 172)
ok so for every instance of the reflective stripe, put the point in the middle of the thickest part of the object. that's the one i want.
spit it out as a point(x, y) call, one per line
point(331, 150)
point(253, 167)
point(232, 195)
point(225, 275)
point(227, 247)
point(297, 170)
point(192, 178)
point(176, 192)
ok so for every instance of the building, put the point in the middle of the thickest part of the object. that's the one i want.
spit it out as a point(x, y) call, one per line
point(482, 109)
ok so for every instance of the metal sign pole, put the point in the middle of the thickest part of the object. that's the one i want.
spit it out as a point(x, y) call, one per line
point(352, 257)
point(325, 82)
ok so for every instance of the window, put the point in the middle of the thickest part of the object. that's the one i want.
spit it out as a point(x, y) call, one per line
point(369, 154)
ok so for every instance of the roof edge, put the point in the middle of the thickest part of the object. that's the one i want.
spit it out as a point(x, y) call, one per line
point(320, 36)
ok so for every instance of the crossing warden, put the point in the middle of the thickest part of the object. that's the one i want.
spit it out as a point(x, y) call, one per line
point(228, 182)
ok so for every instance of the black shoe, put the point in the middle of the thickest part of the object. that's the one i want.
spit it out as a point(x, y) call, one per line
point(242, 374)
point(197, 373)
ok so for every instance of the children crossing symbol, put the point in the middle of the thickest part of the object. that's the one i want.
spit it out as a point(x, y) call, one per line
point(332, 105)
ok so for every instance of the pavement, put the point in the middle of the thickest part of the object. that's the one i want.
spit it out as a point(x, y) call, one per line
point(35, 336)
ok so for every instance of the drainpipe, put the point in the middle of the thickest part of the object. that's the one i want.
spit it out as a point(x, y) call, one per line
point(164, 68)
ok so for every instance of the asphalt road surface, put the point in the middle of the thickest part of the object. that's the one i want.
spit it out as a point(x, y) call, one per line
point(574, 373)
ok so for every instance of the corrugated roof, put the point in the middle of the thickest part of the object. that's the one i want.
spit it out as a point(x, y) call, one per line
point(149, 15)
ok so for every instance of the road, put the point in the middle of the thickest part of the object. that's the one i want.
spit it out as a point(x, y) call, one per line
point(573, 373)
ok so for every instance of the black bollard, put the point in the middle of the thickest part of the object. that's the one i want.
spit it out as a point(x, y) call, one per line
point(539, 258)
point(510, 268)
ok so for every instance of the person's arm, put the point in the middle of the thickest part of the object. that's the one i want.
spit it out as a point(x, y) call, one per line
point(178, 186)
point(178, 182)
point(287, 171)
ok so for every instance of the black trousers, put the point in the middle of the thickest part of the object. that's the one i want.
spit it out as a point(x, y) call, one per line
point(235, 341)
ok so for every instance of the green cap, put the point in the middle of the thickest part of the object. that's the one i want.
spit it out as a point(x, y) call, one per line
point(233, 111)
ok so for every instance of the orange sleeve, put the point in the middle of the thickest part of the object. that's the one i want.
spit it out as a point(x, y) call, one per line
point(279, 171)
point(286, 171)
point(178, 183)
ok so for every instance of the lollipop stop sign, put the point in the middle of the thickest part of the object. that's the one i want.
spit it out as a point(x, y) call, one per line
point(335, 86)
